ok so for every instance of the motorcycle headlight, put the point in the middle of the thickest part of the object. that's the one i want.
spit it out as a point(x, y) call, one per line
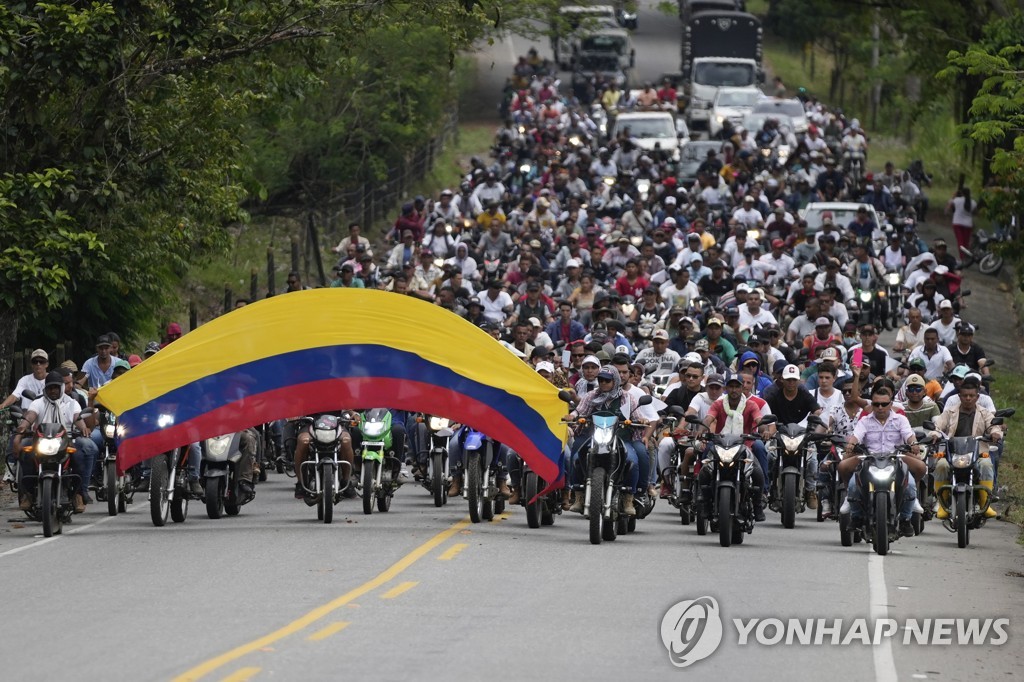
point(962, 461)
point(609, 181)
point(109, 431)
point(325, 436)
point(602, 436)
point(865, 296)
point(448, 228)
point(792, 443)
point(525, 168)
point(574, 140)
point(727, 455)
point(522, 129)
point(47, 446)
point(766, 152)
point(720, 119)
point(373, 428)
point(218, 446)
point(893, 279)
point(882, 474)
point(643, 185)
point(754, 235)
point(438, 423)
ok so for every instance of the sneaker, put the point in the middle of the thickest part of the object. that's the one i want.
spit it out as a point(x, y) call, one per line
point(826, 508)
point(299, 492)
point(86, 498)
point(8, 476)
point(810, 499)
point(918, 509)
point(665, 491)
point(652, 492)
point(196, 487)
point(906, 528)
point(845, 509)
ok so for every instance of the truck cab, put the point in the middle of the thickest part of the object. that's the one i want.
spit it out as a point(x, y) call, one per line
point(572, 23)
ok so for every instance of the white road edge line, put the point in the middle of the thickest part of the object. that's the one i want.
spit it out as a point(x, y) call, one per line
point(885, 664)
point(39, 543)
point(506, 37)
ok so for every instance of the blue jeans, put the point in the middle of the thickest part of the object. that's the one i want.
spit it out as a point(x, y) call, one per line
point(632, 476)
point(761, 453)
point(857, 506)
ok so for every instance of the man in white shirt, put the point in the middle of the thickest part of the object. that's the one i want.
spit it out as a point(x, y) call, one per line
point(752, 314)
point(911, 335)
point(681, 290)
point(497, 304)
point(779, 261)
point(937, 359)
point(34, 382)
point(746, 215)
point(946, 324)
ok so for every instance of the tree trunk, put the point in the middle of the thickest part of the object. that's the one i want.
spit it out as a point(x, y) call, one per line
point(8, 338)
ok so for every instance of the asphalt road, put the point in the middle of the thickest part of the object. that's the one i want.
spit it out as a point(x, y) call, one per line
point(420, 593)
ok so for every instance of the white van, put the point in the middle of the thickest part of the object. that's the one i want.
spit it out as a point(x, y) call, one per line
point(650, 130)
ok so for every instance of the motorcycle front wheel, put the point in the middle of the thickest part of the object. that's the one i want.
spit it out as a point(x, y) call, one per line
point(369, 473)
point(990, 264)
point(159, 498)
point(214, 497)
point(179, 505)
point(327, 498)
point(533, 507)
point(476, 504)
point(725, 517)
point(437, 480)
point(881, 524)
point(788, 501)
point(48, 500)
point(596, 505)
point(963, 532)
point(110, 480)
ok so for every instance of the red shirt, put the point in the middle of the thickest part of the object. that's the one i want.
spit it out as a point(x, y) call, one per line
point(751, 415)
point(636, 289)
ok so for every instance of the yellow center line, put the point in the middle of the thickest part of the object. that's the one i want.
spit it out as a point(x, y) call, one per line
point(398, 589)
point(241, 675)
point(452, 552)
point(328, 631)
point(396, 569)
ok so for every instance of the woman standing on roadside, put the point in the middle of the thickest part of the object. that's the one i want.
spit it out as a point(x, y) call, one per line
point(962, 209)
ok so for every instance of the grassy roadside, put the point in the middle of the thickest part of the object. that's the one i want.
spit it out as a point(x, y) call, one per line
point(1008, 391)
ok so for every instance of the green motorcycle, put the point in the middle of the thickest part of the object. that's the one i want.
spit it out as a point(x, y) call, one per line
point(380, 465)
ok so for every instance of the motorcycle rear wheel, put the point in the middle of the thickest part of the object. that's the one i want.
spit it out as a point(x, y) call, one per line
point(369, 476)
point(437, 480)
point(963, 532)
point(622, 524)
point(533, 507)
point(384, 497)
point(179, 505)
point(788, 514)
point(845, 533)
point(110, 479)
point(990, 264)
point(596, 505)
point(214, 497)
point(631, 526)
point(48, 501)
point(473, 495)
point(327, 498)
point(159, 502)
point(881, 525)
point(700, 520)
point(725, 517)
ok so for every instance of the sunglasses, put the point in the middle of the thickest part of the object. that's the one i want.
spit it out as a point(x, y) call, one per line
point(848, 391)
point(874, 404)
point(577, 355)
point(606, 381)
point(39, 361)
point(692, 376)
point(915, 389)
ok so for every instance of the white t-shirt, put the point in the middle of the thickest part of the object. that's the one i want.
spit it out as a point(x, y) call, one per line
point(962, 216)
point(646, 411)
point(28, 383)
point(934, 366)
point(65, 412)
point(831, 405)
point(494, 310)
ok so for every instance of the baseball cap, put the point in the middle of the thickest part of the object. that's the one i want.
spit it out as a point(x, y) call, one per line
point(541, 352)
point(716, 379)
point(713, 321)
point(591, 360)
point(70, 365)
point(965, 328)
point(822, 322)
point(134, 360)
point(103, 340)
point(535, 322)
point(701, 344)
point(778, 243)
point(960, 371)
point(670, 200)
point(791, 372)
point(829, 354)
point(545, 366)
point(946, 303)
point(54, 379)
point(660, 334)
point(917, 362)
point(39, 353)
point(151, 347)
point(572, 263)
point(915, 380)
point(733, 378)
point(607, 373)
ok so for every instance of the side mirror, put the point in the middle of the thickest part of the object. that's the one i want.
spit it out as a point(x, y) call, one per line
point(676, 411)
point(920, 434)
point(16, 413)
point(692, 419)
point(768, 419)
point(930, 425)
point(1006, 412)
point(565, 396)
point(645, 400)
point(997, 421)
point(838, 441)
point(815, 420)
point(31, 395)
point(964, 292)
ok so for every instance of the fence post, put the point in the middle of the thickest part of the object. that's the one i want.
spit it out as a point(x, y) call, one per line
point(227, 298)
point(270, 272)
point(58, 355)
point(254, 284)
point(295, 253)
point(314, 243)
point(193, 316)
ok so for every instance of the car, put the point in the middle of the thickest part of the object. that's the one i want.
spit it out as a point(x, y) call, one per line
point(732, 104)
point(691, 156)
point(651, 130)
point(753, 122)
point(612, 41)
point(792, 109)
point(843, 213)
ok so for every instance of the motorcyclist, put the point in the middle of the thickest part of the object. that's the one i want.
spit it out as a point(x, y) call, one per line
point(55, 407)
point(302, 441)
point(792, 404)
point(659, 358)
point(967, 419)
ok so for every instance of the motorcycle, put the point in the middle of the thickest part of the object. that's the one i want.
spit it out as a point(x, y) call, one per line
point(984, 251)
point(838, 489)
point(56, 486)
point(540, 511)
point(894, 295)
point(966, 513)
point(678, 497)
point(437, 433)
point(223, 475)
point(117, 490)
point(603, 462)
point(730, 508)
point(788, 472)
point(481, 489)
point(269, 455)
point(379, 464)
point(168, 487)
point(882, 480)
point(328, 474)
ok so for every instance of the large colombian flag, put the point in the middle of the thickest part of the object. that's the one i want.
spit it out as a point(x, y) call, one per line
point(330, 349)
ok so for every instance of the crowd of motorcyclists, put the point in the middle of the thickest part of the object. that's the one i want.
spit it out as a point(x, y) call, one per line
point(755, 334)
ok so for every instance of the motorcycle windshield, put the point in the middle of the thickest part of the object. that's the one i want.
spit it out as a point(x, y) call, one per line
point(604, 421)
point(726, 440)
point(963, 445)
point(51, 430)
point(791, 430)
point(474, 440)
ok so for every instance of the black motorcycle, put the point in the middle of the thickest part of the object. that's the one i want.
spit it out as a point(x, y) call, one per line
point(225, 475)
point(435, 435)
point(829, 464)
point(325, 477)
point(788, 471)
point(117, 490)
point(542, 510)
point(882, 479)
point(169, 491)
point(680, 498)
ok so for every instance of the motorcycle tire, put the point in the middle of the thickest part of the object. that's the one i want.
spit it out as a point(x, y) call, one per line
point(262, 478)
point(631, 526)
point(473, 493)
point(179, 507)
point(684, 516)
point(48, 504)
point(881, 539)
point(369, 476)
point(214, 497)
point(737, 534)
point(110, 481)
point(597, 482)
point(622, 524)
point(499, 507)
point(818, 515)
point(327, 497)
point(122, 501)
point(231, 509)
point(700, 520)
point(437, 484)
point(788, 514)
point(384, 499)
point(279, 465)
point(159, 499)
point(963, 532)
point(725, 520)
point(990, 264)
point(845, 533)
point(533, 507)
point(609, 529)
point(917, 521)
point(547, 517)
